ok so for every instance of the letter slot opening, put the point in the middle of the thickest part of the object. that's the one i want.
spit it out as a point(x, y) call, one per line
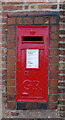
point(31, 38)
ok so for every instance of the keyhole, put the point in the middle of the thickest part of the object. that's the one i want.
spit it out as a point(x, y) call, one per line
point(25, 72)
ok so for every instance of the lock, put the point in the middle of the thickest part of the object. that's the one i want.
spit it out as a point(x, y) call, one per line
point(25, 72)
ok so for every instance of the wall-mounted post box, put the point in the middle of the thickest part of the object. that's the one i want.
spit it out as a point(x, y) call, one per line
point(32, 64)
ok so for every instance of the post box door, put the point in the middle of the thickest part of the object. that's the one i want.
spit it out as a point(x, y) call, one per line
point(32, 68)
point(32, 74)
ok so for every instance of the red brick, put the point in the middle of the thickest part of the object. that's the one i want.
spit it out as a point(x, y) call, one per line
point(11, 105)
point(2, 52)
point(32, 6)
point(11, 45)
point(54, 52)
point(11, 97)
point(4, 26)
point(63, 39)
point(4, 14)
point(62, 102)
point(53, 21)
point(10, 90)
point(61, 58)
point(11, 52)
point(62, 19)
point(61, 45)
point(53, 67)
point(17, 14)
point(54, 44)
point(53, 75)
point(61, 84)
point(14, 113)
point(62, 52)
point(62, 115)
point(54, 6)
point(54, 28)
point(60, 96)
point(11, 21)
point(54, 36)
point(11, 60)
point(61, 78)
point(3, 65)
point(53, 105)
point(61, 26)
point(11, 36)
point(10, 82)
point(54, 60)
point(53, 83)
point(27, 20)
point(44, 6)
point(53, 98)
point(62, 32)
point(61, 90)
point(53, 90)
point(4, 20)
point(10, 75)
point(38, 20)
point(26, 7)
point(62, 71)
point(13, 3)
point(10, 67)
point(19, 20)
point(9, 8)
point(62, 108)
point(4, 95)
point(11, 29)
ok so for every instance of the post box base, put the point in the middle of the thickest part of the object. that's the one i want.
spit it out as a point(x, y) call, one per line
point(31, 105)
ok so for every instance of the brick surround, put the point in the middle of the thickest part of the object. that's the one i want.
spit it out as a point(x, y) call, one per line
point(26, 14)
point(53, 57)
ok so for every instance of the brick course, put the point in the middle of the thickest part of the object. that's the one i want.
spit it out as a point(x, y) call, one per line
point(11, 21)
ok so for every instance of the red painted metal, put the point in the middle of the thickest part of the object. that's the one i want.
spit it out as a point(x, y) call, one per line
point(32, 83)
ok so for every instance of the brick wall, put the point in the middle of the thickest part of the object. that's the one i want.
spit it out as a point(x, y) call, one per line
point(53, 56)
point(13, 14)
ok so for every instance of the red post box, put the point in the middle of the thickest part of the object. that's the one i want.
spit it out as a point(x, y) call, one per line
point(32, 63)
